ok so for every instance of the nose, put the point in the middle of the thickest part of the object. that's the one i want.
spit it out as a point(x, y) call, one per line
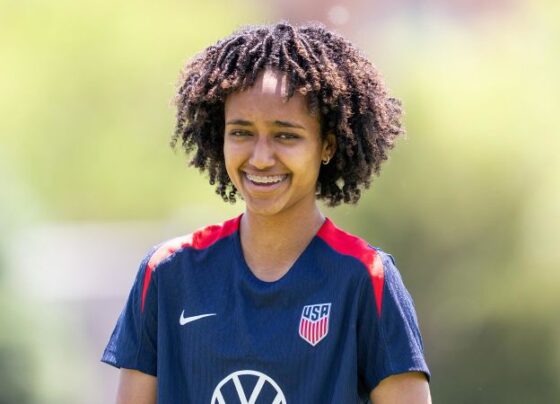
point(263, 155)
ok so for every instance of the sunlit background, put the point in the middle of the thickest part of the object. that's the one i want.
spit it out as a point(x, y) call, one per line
point(469, 203)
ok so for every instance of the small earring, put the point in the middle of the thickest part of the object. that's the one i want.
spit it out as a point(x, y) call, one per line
point(326, 161)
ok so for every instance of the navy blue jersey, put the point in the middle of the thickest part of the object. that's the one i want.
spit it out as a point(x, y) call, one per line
point(336, 324)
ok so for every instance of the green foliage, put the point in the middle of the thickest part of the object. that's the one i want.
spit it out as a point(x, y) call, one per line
point(88, 111)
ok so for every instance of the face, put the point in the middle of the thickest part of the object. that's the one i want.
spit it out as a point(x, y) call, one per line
point(272, 147)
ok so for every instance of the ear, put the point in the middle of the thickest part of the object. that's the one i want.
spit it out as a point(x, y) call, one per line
point(329, 147)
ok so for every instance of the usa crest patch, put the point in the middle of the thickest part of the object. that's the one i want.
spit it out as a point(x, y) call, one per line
point(314, 322)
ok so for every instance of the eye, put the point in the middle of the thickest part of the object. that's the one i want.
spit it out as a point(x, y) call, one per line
point(239, 133)
point(287, 136)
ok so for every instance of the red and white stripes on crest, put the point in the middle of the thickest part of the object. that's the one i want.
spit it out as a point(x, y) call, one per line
point(198, 240)
point(314, 322)
point(313, 331)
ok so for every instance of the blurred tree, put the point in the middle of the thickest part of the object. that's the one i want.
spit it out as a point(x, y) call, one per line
point(17, 362)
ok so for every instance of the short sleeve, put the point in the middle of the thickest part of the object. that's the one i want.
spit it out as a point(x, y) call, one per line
point(389, 340)
point(134, 340)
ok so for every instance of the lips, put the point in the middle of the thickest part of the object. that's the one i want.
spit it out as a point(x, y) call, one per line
point(265, 180)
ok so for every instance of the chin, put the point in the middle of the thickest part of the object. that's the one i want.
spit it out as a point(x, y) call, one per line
point(264, 209)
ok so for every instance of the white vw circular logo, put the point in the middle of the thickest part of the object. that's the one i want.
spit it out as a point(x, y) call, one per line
point(233, 383)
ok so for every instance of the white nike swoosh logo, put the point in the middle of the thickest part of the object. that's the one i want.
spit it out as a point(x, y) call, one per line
point(184, 320)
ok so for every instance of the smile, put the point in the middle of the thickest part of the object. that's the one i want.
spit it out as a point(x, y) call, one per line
point(265, 179)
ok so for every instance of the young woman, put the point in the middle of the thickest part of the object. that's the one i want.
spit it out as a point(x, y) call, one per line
point(277, 305)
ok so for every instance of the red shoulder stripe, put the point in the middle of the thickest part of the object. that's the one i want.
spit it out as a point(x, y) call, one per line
point(348, 244)
point(199, 240)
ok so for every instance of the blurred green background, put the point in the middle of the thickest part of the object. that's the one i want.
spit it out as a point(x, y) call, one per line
point(469, 203)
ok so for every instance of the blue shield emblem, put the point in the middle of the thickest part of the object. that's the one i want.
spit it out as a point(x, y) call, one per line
point(314, 322)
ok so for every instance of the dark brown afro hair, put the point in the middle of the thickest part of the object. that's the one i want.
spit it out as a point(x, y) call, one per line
point(342, 86)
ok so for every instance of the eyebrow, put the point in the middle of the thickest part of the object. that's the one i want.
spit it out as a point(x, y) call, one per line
point(286, 124)
point(283, 124)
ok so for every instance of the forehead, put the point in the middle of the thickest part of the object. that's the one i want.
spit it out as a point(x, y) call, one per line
point(268, 97)
point(272, 82)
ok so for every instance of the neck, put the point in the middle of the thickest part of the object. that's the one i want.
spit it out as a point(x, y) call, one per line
point(271, 244)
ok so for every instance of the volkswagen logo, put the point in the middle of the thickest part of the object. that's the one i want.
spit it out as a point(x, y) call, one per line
point(258, 387)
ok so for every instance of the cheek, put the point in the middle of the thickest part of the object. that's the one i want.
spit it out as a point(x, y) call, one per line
point(230, 151)
point(234, 160)
point(231, 167)
point(308, 167)
point(229, 159)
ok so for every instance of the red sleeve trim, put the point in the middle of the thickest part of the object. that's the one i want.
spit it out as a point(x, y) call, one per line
point(348, 244)
point(198, 240)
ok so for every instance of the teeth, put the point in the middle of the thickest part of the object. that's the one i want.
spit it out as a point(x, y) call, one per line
point(268, 179)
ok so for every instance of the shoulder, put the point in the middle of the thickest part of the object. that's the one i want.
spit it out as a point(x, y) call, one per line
point(373, 260)
point(198, 240)
point(348, 244)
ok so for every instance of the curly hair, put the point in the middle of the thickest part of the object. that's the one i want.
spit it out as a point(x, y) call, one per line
point(339, 81)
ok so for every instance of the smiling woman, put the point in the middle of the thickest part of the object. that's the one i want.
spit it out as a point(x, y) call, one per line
point(277, 305)
point(273, 147)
